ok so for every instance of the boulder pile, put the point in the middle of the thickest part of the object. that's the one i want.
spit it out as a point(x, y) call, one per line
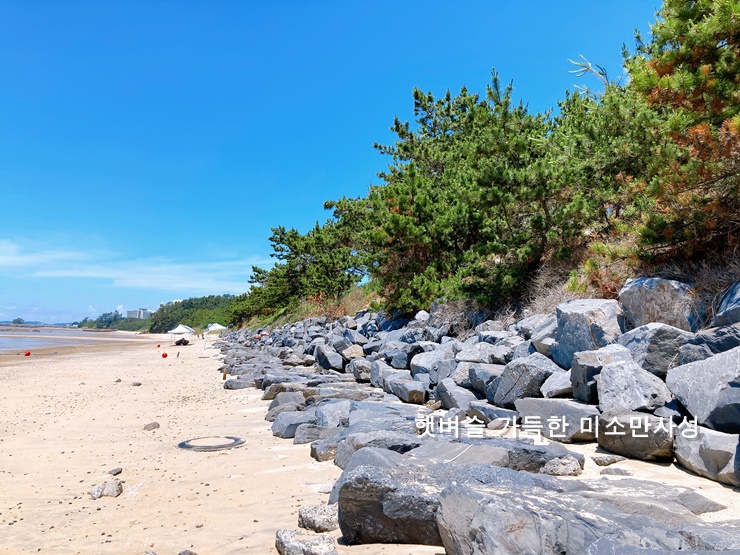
point(405, 408)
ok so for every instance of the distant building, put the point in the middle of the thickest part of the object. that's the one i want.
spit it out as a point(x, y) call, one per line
point(141, 314)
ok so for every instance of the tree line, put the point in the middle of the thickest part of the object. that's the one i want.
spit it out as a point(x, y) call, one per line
point(480, 192)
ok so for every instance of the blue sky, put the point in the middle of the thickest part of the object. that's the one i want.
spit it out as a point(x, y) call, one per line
point(147, 148)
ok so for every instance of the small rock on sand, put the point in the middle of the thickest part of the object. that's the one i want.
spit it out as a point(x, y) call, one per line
point(151, 426)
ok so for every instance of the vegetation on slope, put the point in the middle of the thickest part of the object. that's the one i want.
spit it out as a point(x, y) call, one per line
point(480, 193)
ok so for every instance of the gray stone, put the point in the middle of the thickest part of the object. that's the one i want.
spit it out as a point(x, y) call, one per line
point(510, 515)
point(454, 396)
point(325, 449)
point(557, 385)
point(479, 375)
point(378, 369)
point(308, 433)
point(559, 419)
point(655, 346)
point(625, 386)
point(707, 343)
point(523, 349)
point(355, 337)
point(566, 466)
point(585, 325)
point(442, 369)
point(712, 538)
point(647, 300)
point(295, 542)
point(588, 364)
point(333, 413)
point(285, 423)
point(424, 362)
point(636, 435)
point(151, 426)
point(386, 439)
point(486, 413)
point(378, 506)
point(543, 336)
point(485, 353)
point(606, 460)
point(522, 378)
point(710, 390)
point(360, 368)
point(714, 455)
point(236, 383)
point(272, 414)
point(295, 397)
point(319, 518)
point(409, 391)
point(328, 358)
point(729, 307)
point(461, 374)
point(529, 325)
point(352, 352)
point(113, 488)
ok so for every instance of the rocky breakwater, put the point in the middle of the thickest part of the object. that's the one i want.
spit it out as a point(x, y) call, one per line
point(432, 428)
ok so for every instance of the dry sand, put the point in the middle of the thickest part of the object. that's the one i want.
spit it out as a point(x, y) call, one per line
point(65, 422)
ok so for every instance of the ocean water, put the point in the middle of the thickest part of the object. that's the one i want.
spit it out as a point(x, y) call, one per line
point(27, 340)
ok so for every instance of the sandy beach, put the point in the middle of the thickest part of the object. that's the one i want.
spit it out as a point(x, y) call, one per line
point(66, 420)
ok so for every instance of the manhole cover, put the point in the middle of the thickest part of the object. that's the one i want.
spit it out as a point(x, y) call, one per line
point(214, 443)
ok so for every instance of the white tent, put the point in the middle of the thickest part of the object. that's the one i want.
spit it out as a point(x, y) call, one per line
point(211, 328)
point(182, 329)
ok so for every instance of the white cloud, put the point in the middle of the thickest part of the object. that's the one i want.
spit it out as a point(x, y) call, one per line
point(152, 273)
point(12, 255)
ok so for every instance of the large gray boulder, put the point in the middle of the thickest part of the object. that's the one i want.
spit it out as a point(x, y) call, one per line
point(399, 442)
point(485, 353)
point(710, 342)
point(588, 364)
point(585, 325)
point(648, 300)
point(378, 506)
point(517, 454)
point(655, 346)
point(559, 384)
point(360, 369)
point(333, 413)
point(636, 435)
point(423, 363)
point(479, 375)
point(559, 419)
point(709, 453)
point(542, 334)
point(514, 515)
point(710, 390)
point(409, 391)
point(286, 423)
point(328, 358)
point(454, 396)
point(625, 386)
point(729, 307)
point(523, 377)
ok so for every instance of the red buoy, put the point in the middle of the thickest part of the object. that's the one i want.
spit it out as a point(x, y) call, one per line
point(27, 354)
point(164, 355)
point(158, 345)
